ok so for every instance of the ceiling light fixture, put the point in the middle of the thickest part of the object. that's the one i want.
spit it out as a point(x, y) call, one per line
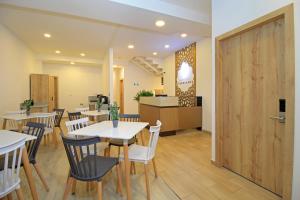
point(154, 53)
point(57, 52)
point(183, 35)
point(72, 63)
point(160, 23)
point(47, 35)
point(82, 54)
point(167, 46)
point(130, 46)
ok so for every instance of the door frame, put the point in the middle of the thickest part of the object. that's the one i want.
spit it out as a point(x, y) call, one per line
point(287, 13)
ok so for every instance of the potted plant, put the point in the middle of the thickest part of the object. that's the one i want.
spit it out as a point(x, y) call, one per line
point(26, 105)
point(143, 93)
point(99, 104)
point(114, 114)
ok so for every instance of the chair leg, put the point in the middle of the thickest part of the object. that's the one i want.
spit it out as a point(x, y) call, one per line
point(99, 188)
point(119, 177)
point(38, 171)
point(154, 166)
point(87, 186)
point(61, 130)
point(9, 196)
point(134, 169)
point(54, 137)
point(68, 188)
point(119, 151)
point(74, 187)
point(20, 194)
point(147, 181)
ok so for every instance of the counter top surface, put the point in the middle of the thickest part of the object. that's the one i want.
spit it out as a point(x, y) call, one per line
point(160, 101)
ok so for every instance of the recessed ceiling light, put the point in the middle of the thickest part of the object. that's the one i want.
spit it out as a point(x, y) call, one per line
point(57, 52)
point(183, 35)
point(82, 54)
point(130, 46)
point(47, 35)
point(160, 23)
point(72, 63)
point(167, 46)
point(154, 53)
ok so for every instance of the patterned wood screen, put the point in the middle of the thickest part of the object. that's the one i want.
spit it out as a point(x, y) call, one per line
point(185, 75)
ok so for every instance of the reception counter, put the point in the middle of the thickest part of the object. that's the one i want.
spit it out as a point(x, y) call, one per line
point(172, 116)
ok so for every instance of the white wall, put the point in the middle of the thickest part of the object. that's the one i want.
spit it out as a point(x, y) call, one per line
point(145, 80)
point(169, 75)
point(229, 14)
point(75, 83)
point(203, 78)
point(16, 63)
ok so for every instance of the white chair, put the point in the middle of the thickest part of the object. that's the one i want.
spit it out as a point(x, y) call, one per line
point(13, 124)
point(49, 120)
point(145, 154)
point(10, 168)
point(81, 123)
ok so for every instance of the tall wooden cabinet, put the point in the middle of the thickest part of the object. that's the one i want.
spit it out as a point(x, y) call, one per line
point(44, 90)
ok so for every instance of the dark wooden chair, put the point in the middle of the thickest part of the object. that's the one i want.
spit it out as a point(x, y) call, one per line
point(86, 166)
point(74, 115)
point(58, 117)
point(32, 146)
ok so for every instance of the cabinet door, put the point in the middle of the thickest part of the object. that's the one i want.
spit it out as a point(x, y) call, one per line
point(39, 86)
point(51, 104)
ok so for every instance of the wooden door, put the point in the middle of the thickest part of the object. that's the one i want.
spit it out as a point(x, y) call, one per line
point(253, 75)
point(51, 104)
point(39, 84)
point(122, 96)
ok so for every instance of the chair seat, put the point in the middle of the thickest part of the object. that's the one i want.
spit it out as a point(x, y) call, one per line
point(137, 153)
point(97, 167)
point(119, 143)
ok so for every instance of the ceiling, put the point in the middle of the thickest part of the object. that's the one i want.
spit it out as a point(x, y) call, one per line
point(93, 26)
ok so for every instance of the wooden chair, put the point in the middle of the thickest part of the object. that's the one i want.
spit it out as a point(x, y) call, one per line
point(49, 120)
point(74, 115)
point(9, 170)
point(78, 124)
point(119, 143)
point(88, 167)
point(58, 117)
point(145, 154)
point(32, 146)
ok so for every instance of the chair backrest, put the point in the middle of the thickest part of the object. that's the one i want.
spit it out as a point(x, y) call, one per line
point(81, 158)
point(84, 109)
point(77, 124)
point(10, 167)
point(154, 135)
point(74, 115)
point(32, 146)
point(12, 124)
point(48, 119)
point(130, 117)
point(59, 115)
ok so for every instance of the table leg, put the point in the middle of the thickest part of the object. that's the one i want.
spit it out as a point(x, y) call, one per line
point(28, 173)
point(127, 170)
point(142, 137)
point(4, 124)
point(20, 126)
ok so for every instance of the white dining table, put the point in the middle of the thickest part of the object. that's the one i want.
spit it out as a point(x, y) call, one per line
point(125, 131)
point(9, 138)
point(20, 118)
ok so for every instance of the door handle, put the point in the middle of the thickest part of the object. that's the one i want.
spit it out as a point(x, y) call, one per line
point(281, 119)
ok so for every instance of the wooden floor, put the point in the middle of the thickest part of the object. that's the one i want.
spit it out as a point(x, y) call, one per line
point(184, 169)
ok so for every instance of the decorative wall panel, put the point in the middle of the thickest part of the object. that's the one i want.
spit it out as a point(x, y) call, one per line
point(185, 75)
